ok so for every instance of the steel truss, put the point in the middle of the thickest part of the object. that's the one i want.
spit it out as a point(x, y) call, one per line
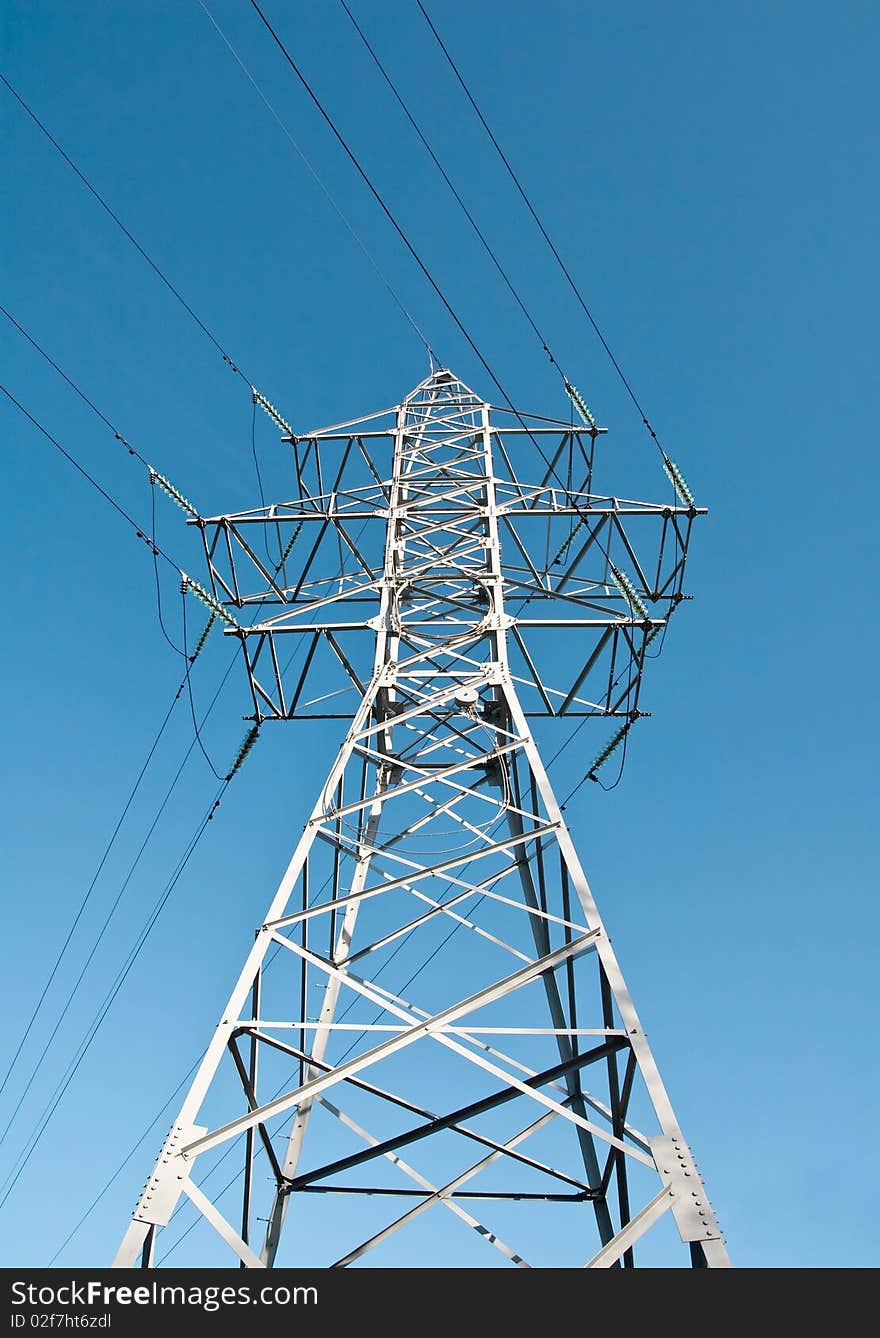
point(511, 1067)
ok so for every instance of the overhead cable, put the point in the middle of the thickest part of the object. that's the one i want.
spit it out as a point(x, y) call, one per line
point(108, 917)
point(313, 172)
point(43, 1121)
point(544, 233)
point(456, 193)
point(85, 900)
point(52, 1105)
point(119, 223)
point(89, 477)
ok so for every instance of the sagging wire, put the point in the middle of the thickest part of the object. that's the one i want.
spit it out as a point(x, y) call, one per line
point(622, 736)
point(155, 477)
point(655, 631)
point(257, 470)
point(251, 737)
point(155, 553)
point(212, 604)
point(184, 586)
point(577, 400)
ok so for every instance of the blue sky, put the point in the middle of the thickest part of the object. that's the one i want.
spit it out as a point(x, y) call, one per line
point(708, 170)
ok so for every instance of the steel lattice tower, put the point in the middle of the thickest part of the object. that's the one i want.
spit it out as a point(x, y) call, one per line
point(509, 1076)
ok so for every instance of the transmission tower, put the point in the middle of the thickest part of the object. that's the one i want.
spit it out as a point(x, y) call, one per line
point(431, 1022)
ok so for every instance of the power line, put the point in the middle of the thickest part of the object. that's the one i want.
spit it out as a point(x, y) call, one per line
point(312, 170)
point(119, 223)
point(90, 889)
point(94, 1026)
point(467, 213)
point(108, 918)
point(164, 278)
point(154, 475)
point(531, 208)
point(89, 477)
point(122, 1165)
point(121, 438)
point(151, 542)
point(352, 156)
point(75, 388)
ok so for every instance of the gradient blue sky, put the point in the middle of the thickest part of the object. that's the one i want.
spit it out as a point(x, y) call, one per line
point(710, 171)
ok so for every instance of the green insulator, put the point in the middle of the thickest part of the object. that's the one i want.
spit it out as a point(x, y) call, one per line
point(580, 404)
point(247, 744)
point(629, 592)
point(174, 493)
point(210, 603)
point(567, 542)
point(609, 748)
point(272, 412)
point(206, 632)
point(291, 541)
point(676, 478)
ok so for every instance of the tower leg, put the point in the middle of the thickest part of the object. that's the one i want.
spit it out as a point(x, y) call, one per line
point(175, 1163)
